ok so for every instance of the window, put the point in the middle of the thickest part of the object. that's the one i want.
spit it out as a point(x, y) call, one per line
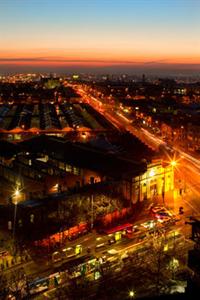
point(68, 168)
point(76, 171)
point(62, 165)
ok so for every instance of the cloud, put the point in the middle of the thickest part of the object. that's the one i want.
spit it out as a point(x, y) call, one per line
point(53, 60)
point(64, 64)
point(156, 62)
point(61, 60)
point(65, 60)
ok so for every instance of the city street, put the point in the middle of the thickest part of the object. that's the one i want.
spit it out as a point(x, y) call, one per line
point(99, 149)
point(120, 254)
point(187, 182)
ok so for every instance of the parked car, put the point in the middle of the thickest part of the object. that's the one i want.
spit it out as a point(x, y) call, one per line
point(3, 253)
point(157, 209)
point(164, 219)
point(111, 241)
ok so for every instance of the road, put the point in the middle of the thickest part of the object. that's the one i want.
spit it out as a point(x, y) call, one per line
point(187, 173)
point(130, 248)
point(99, 247)
point(187, 169)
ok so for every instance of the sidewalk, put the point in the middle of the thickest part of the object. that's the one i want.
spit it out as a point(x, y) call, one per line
point(8, 261)
point(173, 200)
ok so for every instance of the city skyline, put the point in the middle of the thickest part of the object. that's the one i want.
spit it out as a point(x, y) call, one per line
point(99, 149)
point(153, 36)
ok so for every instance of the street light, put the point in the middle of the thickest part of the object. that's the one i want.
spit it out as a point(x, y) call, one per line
point(16, 194)
point(173, 163)
point(92, 211)
point(131, 294)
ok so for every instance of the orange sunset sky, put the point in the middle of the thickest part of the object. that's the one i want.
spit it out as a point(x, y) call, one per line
point(94, 33)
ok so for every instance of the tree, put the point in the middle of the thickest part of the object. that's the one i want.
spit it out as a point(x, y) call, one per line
point(3, 286)
point(17, 283)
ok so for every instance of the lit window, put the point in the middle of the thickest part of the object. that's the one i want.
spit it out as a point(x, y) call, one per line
point(68, 168)
point(76, 171)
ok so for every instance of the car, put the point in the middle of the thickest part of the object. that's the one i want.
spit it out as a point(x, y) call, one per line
point(112, 251)
point(161, 214)
point(100, 245)
point(149, 224)
point(73, 237)
point(164, 219)
point(142, 237)
point(3, 253)
point(176, 218)
point(135, 228)
point(111, 241)
point(156, 209)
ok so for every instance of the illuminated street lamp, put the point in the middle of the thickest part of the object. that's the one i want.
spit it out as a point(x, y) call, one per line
point(131, 294)
point(16, 194)
point(173, 163)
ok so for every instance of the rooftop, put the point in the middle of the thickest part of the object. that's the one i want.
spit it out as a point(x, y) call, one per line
point(84, 156)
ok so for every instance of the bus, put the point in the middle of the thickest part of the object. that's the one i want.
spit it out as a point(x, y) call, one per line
point(42, 284)
point(77, 263)
point(127, 228)
point(38, 285)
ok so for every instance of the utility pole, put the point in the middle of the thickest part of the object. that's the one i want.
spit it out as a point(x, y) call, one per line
point(92, 211)
point(14, 222)
point(163, 188)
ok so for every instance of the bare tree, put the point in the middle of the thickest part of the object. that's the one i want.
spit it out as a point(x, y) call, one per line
point(17, 283)
point(3, 286)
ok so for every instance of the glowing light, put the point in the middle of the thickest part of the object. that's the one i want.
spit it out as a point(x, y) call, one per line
point(17, 192)
point(118, 236)
point(131, 294)
point(75, 77)
point(173, 163)
point(84, 136)
point(151, 173)
point(122, 116)
point(166, 247)
point(78, 249)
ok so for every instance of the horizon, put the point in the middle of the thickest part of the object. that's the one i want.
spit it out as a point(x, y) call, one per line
point(156, 71)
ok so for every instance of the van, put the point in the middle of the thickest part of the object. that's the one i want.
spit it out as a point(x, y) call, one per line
point(99, 246)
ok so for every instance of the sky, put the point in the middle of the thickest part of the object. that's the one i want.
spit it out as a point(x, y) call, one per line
point(99, 35)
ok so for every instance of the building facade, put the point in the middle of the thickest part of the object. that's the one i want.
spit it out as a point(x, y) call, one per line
point(157, 180)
